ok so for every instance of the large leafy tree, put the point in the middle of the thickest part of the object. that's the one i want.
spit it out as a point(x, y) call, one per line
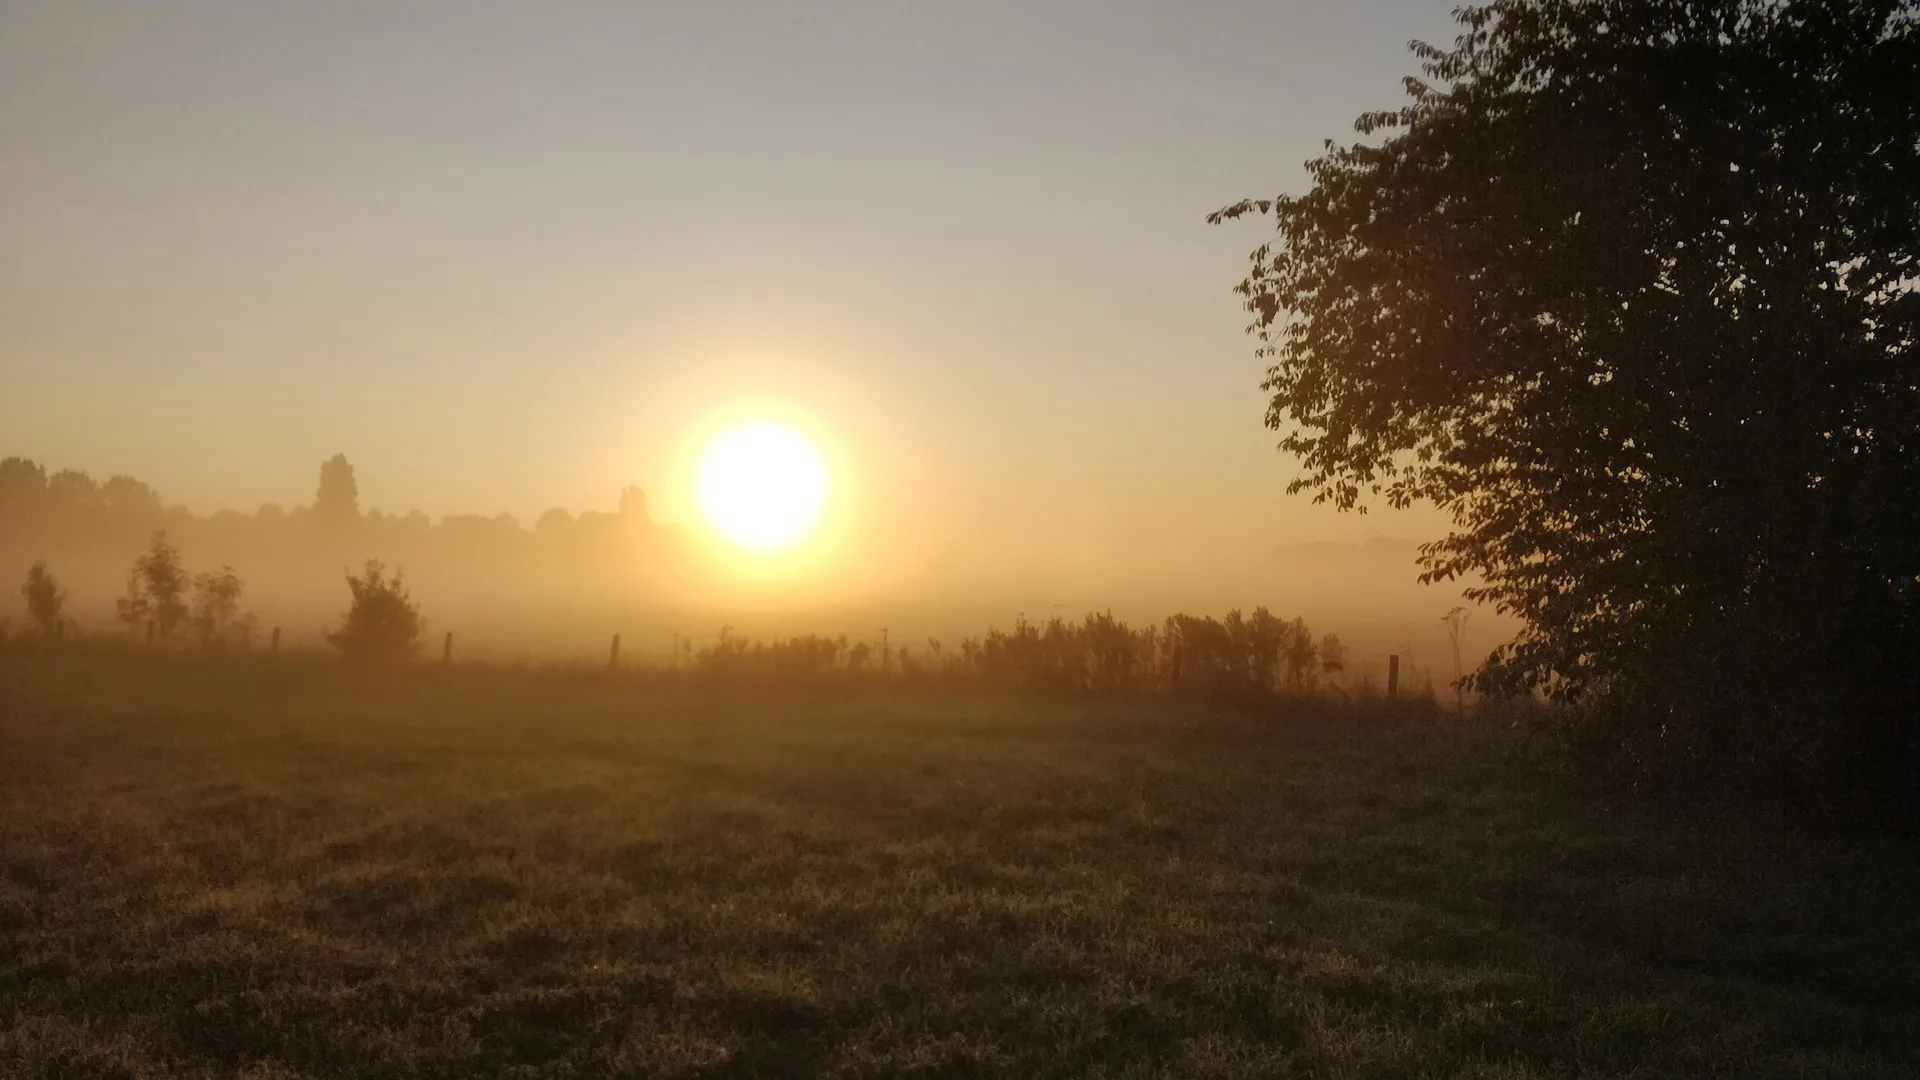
point(1629, 289)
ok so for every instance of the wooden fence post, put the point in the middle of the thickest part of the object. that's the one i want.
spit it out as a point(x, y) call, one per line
point(613, 655)
point(446, 649)
point(274, 646)
point(1393, 678)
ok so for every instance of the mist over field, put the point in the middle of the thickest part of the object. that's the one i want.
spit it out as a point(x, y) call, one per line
point(707, 540)
point(557, 590)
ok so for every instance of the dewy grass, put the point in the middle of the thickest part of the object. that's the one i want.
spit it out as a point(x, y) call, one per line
point(291, 869)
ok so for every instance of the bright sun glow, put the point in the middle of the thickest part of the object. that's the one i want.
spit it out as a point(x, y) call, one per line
point(763, 487)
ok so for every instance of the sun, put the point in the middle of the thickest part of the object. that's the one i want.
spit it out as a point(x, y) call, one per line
point(763, 487)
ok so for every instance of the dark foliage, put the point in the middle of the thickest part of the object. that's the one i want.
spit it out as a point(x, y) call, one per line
point(383, 625)
point(1240, 659)
point(155, 586)
point(97, 525)
point(45, 599)
point(216, 605)
point(337, 500)
point(1629, 289)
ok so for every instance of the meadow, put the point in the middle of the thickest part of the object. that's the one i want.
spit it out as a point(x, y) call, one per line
point(281, 868)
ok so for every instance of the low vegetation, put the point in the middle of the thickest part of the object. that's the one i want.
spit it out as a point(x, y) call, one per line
point(383, 623)
point(46, 600)
point(1241, 658)
point(217, 866)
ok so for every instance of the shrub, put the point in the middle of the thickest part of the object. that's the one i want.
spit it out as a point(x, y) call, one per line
point(384, 624)
point(155, 584)
point(45, 599)
point(216, 603)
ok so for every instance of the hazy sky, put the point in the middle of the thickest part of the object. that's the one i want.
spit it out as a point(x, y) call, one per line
point(508, 256)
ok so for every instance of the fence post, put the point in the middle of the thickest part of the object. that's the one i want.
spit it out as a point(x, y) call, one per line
point(446, 649)
point(613, 655)
point(1393, 678)
point(274, 647)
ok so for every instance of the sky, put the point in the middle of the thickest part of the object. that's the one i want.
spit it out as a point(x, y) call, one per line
point(511, 256)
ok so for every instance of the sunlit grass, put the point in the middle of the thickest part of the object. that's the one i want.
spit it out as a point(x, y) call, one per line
point(299, 871)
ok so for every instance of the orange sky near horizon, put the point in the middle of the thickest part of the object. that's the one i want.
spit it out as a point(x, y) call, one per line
point(509, 257)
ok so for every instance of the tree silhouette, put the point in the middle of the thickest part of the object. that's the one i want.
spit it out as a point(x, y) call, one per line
point(633, 506)
point(45, 599)
point(130, 501)
point(23, 489)
point(337, 502)
point(155, 584)
point(216, 603)
point(1629, 289)
point(383, 624)
point(72, 494)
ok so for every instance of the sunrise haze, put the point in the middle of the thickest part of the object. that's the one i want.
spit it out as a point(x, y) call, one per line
point(509, 257)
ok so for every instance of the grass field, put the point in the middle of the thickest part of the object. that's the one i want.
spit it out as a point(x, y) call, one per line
point(292, 870)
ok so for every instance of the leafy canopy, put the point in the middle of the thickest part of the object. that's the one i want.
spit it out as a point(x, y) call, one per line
point(1629, 289)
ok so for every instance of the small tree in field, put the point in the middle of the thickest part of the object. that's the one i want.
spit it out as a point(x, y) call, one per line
point(216, 603)
point(383, 624)
point(45, 599)
point(155, 585)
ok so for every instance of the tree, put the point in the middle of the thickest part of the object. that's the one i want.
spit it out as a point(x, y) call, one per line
point(72, 494)
point(633, 507)
point(383, 624)
point(216, 603)
point(45, 599)
point(1629, 290)
point(1333, 655)
point(134, 608)
point(337, 502)
point(553, 526)
point(23, 488)
point(155, 584)
point(130, 500)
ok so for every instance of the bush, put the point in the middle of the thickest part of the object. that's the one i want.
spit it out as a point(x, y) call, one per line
point(45, 600)
point(216, 605)
point(155, 584)
point(384, 624)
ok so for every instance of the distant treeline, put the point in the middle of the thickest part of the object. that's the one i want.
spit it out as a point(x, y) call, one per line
point(77, 520)
point(1240, 658)
point(71, 514)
